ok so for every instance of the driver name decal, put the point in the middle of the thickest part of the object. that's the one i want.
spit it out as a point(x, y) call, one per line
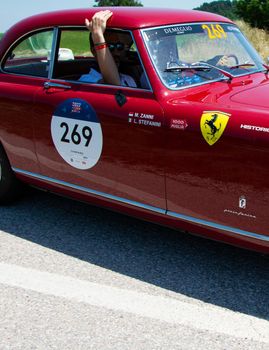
point(143, 119)
point(212, 125)
point(77, 134)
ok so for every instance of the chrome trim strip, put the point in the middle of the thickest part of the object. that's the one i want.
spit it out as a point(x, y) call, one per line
point(53, 52)
point(147, 207)
point(218, 226)
point(94, 192)
point(144, 70)
point(115, 87)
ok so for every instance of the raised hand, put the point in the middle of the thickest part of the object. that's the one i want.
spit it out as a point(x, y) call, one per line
point(97, 25)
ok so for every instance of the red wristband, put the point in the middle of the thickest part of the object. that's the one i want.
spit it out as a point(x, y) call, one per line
point(100, 47)
point(101, 43)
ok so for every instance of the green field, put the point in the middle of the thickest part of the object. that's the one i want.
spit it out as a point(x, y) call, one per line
point(1, 34)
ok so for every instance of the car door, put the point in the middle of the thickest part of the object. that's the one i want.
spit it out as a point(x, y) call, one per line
point(217, 173)
point(99, 139)
point(23, 71)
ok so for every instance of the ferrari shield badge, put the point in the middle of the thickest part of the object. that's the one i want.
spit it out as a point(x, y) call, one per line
point(212, 125)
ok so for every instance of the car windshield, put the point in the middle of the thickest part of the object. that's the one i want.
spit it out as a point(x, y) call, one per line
point(193, 54)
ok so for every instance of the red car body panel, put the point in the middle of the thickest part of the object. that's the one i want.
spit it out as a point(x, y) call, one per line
point(166, 174)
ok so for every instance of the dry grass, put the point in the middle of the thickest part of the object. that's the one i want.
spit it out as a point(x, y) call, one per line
point(259, 38)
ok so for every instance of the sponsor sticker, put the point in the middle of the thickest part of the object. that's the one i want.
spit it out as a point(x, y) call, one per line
point(179, 124)
point(77, 134)
point(212, 125)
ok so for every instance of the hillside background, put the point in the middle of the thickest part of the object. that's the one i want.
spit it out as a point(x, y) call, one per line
point(258, 37)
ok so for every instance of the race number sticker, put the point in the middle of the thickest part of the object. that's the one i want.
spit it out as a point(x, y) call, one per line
point(77, 134)
point(215, 31)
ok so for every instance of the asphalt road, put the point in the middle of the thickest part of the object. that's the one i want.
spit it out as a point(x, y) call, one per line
point(73, 276)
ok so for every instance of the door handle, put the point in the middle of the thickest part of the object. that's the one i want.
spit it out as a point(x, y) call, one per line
point(49, 84)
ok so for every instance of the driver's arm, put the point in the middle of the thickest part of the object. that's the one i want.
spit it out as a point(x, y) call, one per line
point(107, 65)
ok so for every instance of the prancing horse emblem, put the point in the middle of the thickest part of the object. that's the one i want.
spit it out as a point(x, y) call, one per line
point(212, 125)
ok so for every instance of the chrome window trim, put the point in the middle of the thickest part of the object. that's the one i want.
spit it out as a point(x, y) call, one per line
point(53, 52)
point(198, 84)
point(187, 218)
point(115, 87)
point(144, 70)
point(109, 85)
point(56, 30)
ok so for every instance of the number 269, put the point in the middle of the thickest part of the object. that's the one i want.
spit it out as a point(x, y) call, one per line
point(214, 31)
point(75, 136)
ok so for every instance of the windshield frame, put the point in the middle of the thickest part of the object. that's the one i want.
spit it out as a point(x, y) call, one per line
point(245, 43)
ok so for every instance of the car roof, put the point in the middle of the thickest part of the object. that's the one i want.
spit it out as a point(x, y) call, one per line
point(127, 17)
point(123, 17)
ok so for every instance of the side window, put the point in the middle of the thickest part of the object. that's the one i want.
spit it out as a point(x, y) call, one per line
point(77, 41)
point(31, 56)
point(76, 59)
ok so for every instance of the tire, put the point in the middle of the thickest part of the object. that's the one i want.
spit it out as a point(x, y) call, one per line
point(9, 185)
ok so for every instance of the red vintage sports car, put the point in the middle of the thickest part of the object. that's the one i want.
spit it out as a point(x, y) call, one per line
point(187, 147)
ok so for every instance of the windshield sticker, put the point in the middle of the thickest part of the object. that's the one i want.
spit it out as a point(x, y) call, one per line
point(77, 134)
point(154, 34)
point(212, 125)
point(178, 30)
point(214, 31)
point(232, 29)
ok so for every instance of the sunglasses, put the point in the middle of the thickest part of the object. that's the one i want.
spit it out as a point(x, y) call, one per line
point(116, 46)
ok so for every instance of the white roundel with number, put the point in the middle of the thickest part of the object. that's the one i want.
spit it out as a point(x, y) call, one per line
point(77, 134)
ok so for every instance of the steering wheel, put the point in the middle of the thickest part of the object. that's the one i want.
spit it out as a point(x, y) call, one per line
point(234, 57)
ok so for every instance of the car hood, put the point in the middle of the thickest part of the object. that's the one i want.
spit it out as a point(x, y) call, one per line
point(241, 91)
point(255, 96)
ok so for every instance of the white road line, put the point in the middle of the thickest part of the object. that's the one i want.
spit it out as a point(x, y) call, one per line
point(206, 317)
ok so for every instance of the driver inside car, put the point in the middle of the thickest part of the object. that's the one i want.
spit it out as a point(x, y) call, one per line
point(108, 50)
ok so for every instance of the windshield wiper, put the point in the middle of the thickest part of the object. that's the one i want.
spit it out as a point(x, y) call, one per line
point(198, 66)
point(266, 67)
point(242, 65)
point(182, 67)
